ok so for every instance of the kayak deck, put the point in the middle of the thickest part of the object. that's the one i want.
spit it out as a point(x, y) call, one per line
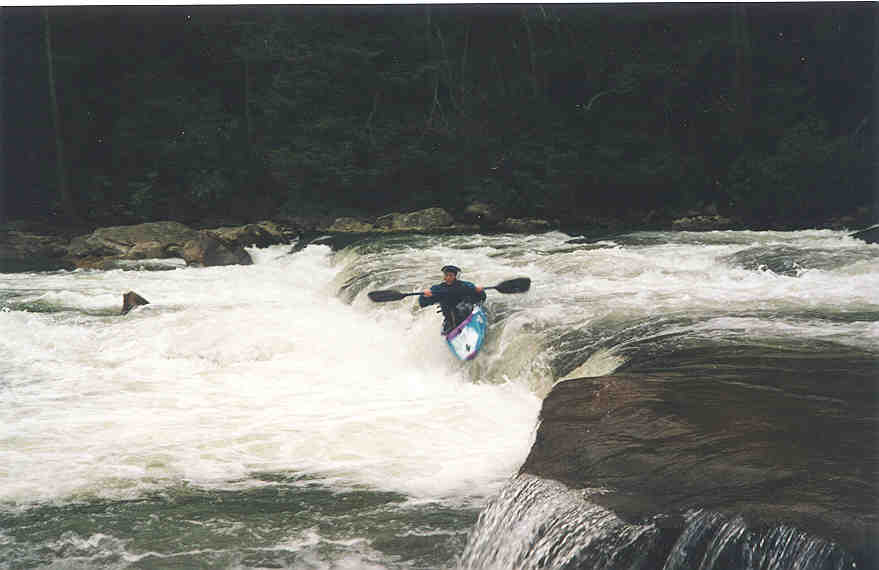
point(467, 338)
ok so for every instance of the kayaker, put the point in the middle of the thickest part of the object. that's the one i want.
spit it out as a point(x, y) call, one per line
point(455, 297)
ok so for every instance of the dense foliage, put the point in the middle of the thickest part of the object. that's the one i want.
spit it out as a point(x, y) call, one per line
point(557, 110)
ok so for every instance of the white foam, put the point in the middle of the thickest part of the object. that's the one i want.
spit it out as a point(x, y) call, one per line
point(233, 371)
point(236, 370)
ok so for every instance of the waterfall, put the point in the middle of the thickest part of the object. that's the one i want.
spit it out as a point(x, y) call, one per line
point(536, 523)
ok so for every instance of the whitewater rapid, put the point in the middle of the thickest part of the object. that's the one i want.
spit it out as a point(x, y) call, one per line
point(308, 427)
point(239, 370)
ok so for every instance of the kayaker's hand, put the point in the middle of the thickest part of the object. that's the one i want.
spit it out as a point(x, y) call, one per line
point(427, 293)
point(479, 289)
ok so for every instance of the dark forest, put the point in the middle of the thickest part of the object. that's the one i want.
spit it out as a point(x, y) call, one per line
point(561, 111)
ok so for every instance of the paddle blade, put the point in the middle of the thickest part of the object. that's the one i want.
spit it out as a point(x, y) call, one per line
point(384, 296)
point(518, 285)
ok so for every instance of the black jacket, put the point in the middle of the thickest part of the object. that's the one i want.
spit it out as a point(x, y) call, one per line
point(455, 300)
point(451, 295)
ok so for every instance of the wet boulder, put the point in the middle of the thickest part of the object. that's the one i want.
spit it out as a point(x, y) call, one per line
point(426, 220)
point(702, 222)
point(483, 214)
point(350, 225)
point(261, 234)
point(772, 436)
point(119, 241)
point(429, 219)
point(296, 225)
point(105, 246)
point(131, 300)
point(146, 250)
point(27, 251)
point(207, 250)
point(387, 221)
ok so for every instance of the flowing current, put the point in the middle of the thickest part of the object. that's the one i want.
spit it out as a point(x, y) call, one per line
point(272, 416)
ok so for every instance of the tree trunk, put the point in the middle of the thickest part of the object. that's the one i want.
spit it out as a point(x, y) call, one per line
point(428, 36)
point(248, 119)
point(532, 55)
point(465, 87)
point(3, 214)
point(742, 85)
point(368, 126)
point(875, 114)
point(447, 65)
point(60, 163)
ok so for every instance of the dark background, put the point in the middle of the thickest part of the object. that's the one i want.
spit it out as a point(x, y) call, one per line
point(564, 111)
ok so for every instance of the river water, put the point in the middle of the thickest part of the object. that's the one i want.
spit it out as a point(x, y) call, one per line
point(271, 416)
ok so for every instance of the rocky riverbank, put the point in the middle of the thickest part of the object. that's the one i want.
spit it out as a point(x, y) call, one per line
point(34, 245)
point(27, 248)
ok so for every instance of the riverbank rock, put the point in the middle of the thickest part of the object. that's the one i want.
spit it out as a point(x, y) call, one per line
point(525, 225)
point(777, 436)
point(260, 234)
point(483, 214)
point(350, 225)
point(26, 251)
point(140, 241)
point(427, 220)
point(208, 250)
point(702, 222)
point(430, 219)
point(388, 221)
point(296, 225)
point(105, 248)
point(137, 246)
point(146, 250)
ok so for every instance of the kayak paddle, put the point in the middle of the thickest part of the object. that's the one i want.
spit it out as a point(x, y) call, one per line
point(517, 285)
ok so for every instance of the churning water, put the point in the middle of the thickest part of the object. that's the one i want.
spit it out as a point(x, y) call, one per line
point(272, 416)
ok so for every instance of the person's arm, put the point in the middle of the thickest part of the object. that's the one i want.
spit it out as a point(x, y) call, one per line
point(429, 296)
point(477, 293)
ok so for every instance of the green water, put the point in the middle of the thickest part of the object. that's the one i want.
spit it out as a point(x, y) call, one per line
point(284, 523)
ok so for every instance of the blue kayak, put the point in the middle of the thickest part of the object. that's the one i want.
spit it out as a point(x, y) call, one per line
point(466, 339)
